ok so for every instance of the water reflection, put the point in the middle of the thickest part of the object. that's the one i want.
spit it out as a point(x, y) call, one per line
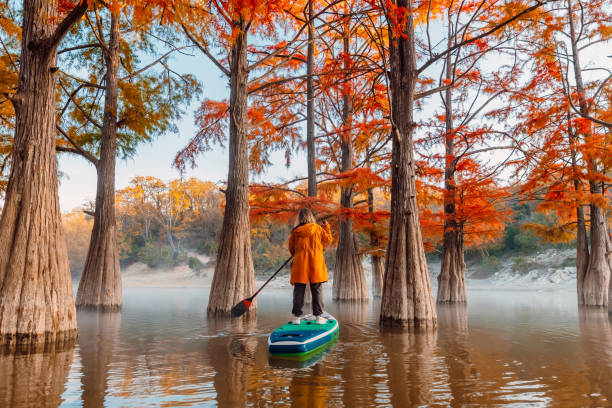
point(359, 344)
point(596, 339)
point(311, 389)
point(525, 349)
point(411, 364)
point(34, 380)
point(232, 358)
point(97, 341)
point(454, 339)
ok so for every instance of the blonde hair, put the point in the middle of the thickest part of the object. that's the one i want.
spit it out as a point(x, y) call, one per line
point(305, 216)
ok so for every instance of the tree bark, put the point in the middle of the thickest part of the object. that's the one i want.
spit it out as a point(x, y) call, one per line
point(582, 245)
point(310, 129)
point(451, 280)
point(378, 265)
point(596, 280)
point(407, 299)
point(349, 278)
point(378, 274)
point(100, 285)
point(36, 300)
point(234, 277)
point(609, 256)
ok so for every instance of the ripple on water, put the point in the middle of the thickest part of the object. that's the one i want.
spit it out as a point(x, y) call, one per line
point(510, 349)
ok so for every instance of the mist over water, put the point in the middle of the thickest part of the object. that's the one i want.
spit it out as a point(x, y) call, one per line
point(506, 348)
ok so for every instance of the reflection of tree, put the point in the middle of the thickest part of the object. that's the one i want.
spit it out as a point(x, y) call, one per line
point(359, 377)
point(310, 390)
point(453, 330)
point(411, 359)
point(35, 380)
point(350, 314)
point(232, 358)
point(596, 336)
point(98, 336)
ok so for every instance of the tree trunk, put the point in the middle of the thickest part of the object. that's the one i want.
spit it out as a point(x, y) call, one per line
point(378, 266)
point(407, 299)
point(596, 280)
point(378, 274)
point(451, 280)
point(609, 256)
point(582, 246)
point(234, 275)
point(36, 300)
point(349, 278)
point(582, 243)
point(310, 129)
point(171, 241)
point(100, 285)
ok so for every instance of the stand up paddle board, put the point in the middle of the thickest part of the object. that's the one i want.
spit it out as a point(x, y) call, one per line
point(304, 338)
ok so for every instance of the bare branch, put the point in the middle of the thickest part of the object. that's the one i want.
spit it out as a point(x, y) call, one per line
point(77, 149)
point(66, 24)
point(205, 51)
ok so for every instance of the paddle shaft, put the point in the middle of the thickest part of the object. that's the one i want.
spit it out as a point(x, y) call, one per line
point(271, 277)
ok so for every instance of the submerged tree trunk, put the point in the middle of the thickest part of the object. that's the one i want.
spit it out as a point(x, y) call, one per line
point(377, 261)
point(407, 299)
point(582, 246)
point(100, 285)
point(349, 278)
point(596, 280)
point(451, 280)
point(378, 273)
point(609, 256)
point(36, 300)
point(234, 275)
point(582, 243)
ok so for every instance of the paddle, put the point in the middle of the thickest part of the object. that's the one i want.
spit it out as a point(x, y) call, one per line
point(244, 305)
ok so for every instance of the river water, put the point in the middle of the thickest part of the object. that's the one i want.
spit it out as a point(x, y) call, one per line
point(507, 348)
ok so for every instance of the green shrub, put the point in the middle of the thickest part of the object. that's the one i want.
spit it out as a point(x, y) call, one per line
point(195, 264)
point(490, 264)
point(157, 256)
point(522, 265)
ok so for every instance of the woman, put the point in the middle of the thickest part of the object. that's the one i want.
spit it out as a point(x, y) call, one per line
point(307, 242)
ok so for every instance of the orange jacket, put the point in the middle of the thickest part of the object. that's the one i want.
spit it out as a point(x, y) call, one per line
point(306, 244)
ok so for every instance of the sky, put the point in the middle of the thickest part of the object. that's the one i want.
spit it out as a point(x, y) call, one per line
point(78, 176)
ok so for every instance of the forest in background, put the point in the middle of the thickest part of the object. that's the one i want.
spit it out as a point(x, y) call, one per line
point(163, 224)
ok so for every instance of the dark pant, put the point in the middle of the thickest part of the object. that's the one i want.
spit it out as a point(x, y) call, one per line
point(298, 298)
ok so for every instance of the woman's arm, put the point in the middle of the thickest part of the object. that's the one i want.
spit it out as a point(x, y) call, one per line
point(326, 235)
point(291, 244)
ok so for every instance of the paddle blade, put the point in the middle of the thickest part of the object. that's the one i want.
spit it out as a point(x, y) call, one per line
point(241, 308)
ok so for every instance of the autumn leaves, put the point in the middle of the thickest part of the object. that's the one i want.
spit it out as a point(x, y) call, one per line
point(396, 170)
